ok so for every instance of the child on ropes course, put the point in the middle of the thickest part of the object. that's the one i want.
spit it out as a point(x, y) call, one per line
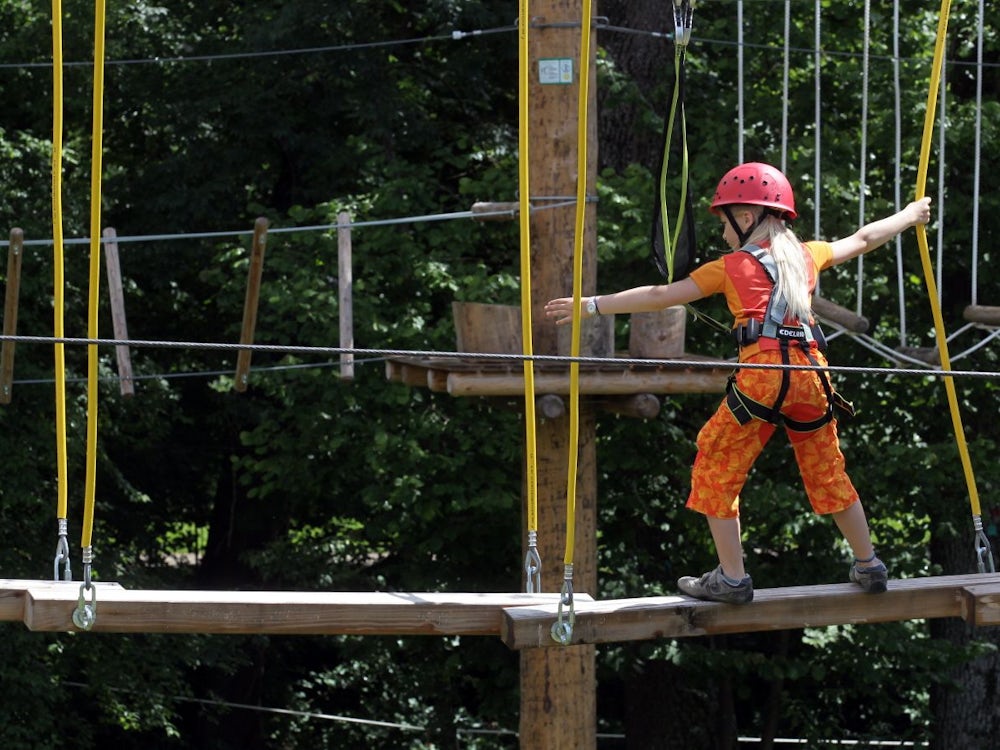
point(768, 281)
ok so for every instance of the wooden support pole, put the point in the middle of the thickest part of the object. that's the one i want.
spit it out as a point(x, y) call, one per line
point(14, 253)
point(624, 382)
point(251, 302)
point(345, 276)
point(116, 294)
point(975, 598)
point(559, 686)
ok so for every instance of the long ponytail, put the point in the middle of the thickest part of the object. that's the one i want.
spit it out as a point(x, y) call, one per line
point(793, 274)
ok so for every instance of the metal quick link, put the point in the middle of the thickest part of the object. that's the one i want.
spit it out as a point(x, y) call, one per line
point(85, 614)
point(62, 559)
point(562, 628)
point(533, 566)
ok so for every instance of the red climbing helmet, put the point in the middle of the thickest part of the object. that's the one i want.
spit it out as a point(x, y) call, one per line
point(756, 184)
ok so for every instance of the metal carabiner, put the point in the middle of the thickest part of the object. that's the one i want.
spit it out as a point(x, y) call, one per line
point(562, 629)
point(85, 614)
point(984, 550)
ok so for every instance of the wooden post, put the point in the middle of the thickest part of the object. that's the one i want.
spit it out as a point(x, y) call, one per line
point(117, 297)
point(345, 274)
point(251, 301)
point(558, 685)
point(10, 313)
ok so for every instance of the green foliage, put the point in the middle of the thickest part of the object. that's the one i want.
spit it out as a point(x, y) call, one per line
point(306, 481)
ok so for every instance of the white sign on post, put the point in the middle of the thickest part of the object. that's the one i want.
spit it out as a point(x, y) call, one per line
point(555, 70)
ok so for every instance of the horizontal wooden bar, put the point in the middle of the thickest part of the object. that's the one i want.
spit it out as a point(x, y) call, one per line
point(623, 382)
point(14, 593)
point(50, 607)
point(843, 317)
point(984, 314)
point(973, 597)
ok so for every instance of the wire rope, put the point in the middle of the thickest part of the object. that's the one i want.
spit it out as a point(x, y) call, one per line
point(897, 169)
point(532, 560)
point(863, 147)
point(984, 556)
point(977, 148)
point(817, 115)
point(785, 69)
point(740, 79)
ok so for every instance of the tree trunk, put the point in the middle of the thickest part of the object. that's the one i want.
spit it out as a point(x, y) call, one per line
point(964, 704)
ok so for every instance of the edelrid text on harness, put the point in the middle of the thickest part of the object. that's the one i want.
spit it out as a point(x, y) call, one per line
point(773, 326)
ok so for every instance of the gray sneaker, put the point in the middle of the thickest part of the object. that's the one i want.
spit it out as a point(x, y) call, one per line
point(872, 580)
point(713, 587)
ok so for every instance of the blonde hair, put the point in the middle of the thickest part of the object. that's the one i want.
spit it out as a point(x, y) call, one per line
point(793, 274)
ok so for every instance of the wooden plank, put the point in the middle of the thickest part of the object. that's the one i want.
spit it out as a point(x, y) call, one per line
point(620, 620)
point(14, 594)
point(250, 303)
point(14, 254)
point(345, 289)
point(620, 383)
point(116, 295)
point(983, 314)
point(839, 315)
point(981, 604)
point(50, 608)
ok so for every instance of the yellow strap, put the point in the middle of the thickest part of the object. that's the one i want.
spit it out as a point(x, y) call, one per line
point(58, 260)
point(925, 259)
point(581, 209)
point(524, 216)
point(95, 271)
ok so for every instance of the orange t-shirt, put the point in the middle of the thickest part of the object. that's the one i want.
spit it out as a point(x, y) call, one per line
point(743, 280)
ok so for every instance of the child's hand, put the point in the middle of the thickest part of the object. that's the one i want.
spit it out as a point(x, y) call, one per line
point(920, 211)
point(562, 310)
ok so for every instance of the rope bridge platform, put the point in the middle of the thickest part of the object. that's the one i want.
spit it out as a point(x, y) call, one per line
point(974, 598)
point(520, 620)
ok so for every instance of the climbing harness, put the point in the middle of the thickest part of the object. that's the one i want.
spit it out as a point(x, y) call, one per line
point(803, 335)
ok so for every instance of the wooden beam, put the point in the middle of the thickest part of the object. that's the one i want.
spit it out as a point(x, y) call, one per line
point(116, 294)
point(982, 314)
point(49, 606)
point(975, 598)
point(621, 383)
point(839, 315)
point(14, 594)
point(14, 254)
point(638, 405)
point(345, 284)
point(251, 302)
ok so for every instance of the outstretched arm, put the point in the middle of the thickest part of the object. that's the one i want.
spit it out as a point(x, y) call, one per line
point(876, 234)
point(638, 299)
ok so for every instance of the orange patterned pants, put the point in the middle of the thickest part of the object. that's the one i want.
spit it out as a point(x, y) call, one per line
point(727, 449)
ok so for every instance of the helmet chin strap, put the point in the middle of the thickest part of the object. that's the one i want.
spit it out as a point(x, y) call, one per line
point(742, 235)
